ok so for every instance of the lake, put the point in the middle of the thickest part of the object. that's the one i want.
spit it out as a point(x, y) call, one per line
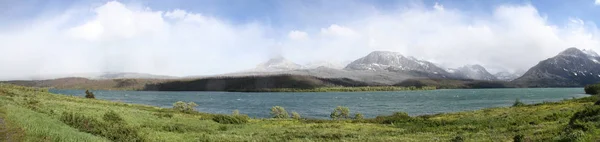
point(320, 105)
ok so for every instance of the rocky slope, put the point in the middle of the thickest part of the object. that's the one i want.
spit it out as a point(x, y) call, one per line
point(570, 68)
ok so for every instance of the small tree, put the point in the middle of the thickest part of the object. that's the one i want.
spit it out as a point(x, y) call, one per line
point(295, 115)
point(89, 94)
point(358, 116)
point(279, 112)
point(518, 103)
point(183, 107)
point(236, 112)
point(340, 112)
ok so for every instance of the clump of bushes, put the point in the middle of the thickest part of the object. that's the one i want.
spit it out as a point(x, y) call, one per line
point(89, 94)
point(397, 117)
point(185, 107)
point(518, 103)
point(164, 115)
point(458, 139)
point(592, 89)
point(113, 127)
point(358, 116)
point(340, 112)
point(279, 112)
point(295, 115)
point(583, 121)
point(233, 119)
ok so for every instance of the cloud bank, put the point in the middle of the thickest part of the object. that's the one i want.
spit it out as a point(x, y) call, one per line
point(115, 37)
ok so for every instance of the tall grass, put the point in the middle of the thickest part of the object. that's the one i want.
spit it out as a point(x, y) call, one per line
point(41, 116)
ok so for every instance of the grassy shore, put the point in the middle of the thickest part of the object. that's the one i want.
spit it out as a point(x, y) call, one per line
point(341, 89)
point(32, 114)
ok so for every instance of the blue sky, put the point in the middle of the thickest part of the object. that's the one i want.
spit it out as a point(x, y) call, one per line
point(221, 36)
point(279, 13)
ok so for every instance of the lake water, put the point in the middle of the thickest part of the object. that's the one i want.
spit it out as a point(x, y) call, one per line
point(320, 105)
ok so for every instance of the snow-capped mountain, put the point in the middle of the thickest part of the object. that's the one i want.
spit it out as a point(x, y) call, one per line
point(327, 64)
point(508, 76)
point(277, 64)
point(476, 72)
point(572, 67)
point(393, 61)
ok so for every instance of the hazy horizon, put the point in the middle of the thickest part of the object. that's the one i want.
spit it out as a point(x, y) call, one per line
point(209, 37)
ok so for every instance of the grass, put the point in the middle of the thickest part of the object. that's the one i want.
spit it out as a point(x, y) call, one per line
point(36, 115)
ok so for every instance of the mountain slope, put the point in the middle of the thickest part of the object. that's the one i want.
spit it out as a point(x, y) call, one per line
point(570, 68)
point(276, 64)
point(396, 62)
point(476, 72)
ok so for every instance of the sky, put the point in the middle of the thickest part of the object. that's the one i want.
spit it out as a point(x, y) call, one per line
point(207, 37)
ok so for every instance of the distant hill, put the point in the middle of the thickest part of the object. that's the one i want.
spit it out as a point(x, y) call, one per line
point(84, 83)
point(251, 83)
point(570, 68)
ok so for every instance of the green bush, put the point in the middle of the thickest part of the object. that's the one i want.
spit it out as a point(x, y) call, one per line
point(358, 116)
point(185, 107)
point(164, 115)
point(597, 103)
point(458, 139)
point(592, 89)
point(397, 117)
point(113, 117)
point(518, 103)
point(589, 115)
point(226, 119)
point(279, 112)
point(295, 115)
point(236, 112)
point(112, 131)
point(89, 94)
point(340, 112)
point(519, 138)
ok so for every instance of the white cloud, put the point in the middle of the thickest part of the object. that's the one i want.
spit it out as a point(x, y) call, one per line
point(177, 42)
point(122, 39)
point(438, 6)
point(337, 30)
point(597, 2)
point(297, 35)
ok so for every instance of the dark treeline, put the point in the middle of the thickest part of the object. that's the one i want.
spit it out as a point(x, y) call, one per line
point(455, 83)
point(249, 83)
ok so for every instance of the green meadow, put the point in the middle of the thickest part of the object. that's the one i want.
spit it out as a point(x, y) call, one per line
point(33, 114)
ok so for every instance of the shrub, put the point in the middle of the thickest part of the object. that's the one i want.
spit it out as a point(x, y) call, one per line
point(279, 112)
point(164, 115)
point(185, 108)
point(519, 138)
point(295, 115)
point(592, 89)
point(112, 117)
point(111, 131)
point(589, 115)
point(597, 103)
point(236, 112)
point(458, 139)
point(226, 119)
point(358, 116)
point(397, 117)
point(89, 94)
point(340, 112)
point(518, 103)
